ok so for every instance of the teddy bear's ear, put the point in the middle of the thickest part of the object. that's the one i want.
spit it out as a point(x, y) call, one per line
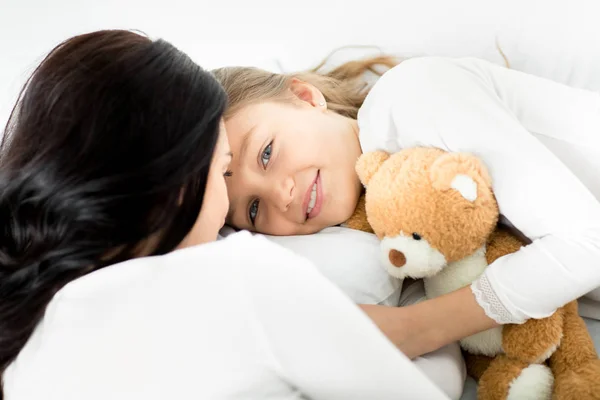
point(462, 172)
point(368, 164)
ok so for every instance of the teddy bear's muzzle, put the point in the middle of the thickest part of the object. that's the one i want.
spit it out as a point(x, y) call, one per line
point(397, 258)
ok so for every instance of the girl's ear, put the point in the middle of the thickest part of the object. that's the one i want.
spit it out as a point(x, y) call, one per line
point(308, 93)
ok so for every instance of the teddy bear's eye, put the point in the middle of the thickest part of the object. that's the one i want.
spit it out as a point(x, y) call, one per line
point(416, 236)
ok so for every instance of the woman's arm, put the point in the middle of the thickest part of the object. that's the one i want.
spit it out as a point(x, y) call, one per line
point(499, 115)
point(320, 341)
point(427, 326)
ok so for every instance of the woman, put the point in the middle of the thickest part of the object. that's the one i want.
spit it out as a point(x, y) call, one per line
point(296, 134)
point(114, 157)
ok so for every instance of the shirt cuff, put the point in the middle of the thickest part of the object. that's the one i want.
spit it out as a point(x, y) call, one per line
point(487, 299)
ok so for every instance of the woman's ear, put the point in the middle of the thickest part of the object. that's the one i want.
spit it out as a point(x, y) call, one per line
point(308, 93)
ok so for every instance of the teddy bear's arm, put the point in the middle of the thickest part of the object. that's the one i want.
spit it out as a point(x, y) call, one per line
point(476, 364)
point(500, 243)
point(358, 220)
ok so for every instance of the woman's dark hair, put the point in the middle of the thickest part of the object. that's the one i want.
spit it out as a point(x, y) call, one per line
point(110, 144)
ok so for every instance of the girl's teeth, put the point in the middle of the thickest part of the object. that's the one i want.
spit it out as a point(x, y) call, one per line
point(313, 199)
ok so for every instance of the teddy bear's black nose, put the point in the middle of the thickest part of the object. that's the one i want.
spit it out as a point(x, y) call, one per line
point(397, 258)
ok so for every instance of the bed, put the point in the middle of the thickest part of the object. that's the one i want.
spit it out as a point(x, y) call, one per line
point(548, 39)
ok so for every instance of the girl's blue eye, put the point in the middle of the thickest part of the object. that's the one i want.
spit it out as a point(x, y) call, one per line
point(266, 154)
point(253, 211)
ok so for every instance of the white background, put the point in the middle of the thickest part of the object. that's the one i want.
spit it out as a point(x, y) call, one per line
point(554, 38)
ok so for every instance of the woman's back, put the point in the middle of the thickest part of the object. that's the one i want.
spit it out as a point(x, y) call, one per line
point(174, 326)
point(215, 321)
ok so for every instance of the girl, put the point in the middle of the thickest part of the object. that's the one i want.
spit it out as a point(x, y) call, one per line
point(299, 134)
point(115, 153)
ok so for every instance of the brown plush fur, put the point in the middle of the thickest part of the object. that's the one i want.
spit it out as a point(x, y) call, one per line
point(444, 230)
point(411, 191)
point(358, 220)
point(575, 364)
point(476, 364)
point(495, 381)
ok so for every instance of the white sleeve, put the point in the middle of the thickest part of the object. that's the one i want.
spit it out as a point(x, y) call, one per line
point(321, 342)
point(474, 106)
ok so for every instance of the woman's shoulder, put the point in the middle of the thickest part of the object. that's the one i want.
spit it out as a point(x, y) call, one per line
point(221, 263)
point(188, 305)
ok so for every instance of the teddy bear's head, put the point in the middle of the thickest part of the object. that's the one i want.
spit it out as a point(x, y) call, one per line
point(429, 207)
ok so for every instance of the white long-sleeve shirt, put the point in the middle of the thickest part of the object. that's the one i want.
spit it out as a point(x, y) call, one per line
point(241, 318)
point(541, 143)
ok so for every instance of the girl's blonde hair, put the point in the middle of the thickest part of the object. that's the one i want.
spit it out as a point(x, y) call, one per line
point(344, 87)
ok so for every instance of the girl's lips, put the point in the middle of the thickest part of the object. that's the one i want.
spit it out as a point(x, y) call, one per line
point(319, 197)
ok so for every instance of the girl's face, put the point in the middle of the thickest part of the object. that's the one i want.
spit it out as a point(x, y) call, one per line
point(216, 203)
point(293, 165)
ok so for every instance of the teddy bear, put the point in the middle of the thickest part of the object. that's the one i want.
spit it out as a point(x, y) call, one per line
point(437, 218)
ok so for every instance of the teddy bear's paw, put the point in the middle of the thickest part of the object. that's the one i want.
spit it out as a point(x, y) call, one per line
point(535, 340)
point(533, 383)
point(581, 383)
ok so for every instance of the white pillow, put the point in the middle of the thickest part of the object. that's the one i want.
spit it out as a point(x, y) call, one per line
point(349, 259)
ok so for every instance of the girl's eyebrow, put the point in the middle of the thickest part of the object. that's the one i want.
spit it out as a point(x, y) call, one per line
point(246, 143)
